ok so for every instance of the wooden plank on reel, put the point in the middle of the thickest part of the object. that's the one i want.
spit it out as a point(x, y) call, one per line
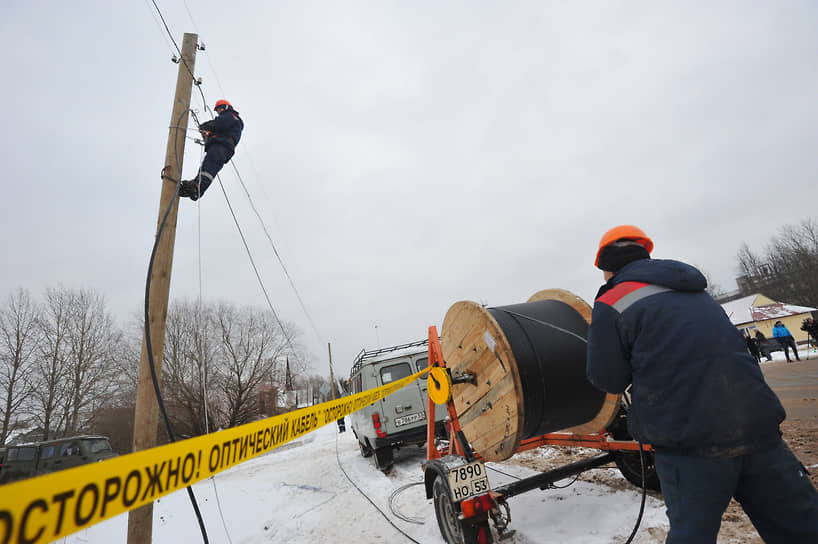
point(491, 410)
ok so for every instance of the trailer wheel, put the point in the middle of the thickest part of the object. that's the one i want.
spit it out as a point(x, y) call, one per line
point(630, 466)
point(384, 458)
point(446, 512)
point(453, 530)
point(366, 451)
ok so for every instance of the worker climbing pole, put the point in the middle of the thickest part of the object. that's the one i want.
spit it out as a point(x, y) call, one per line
point(221, 135)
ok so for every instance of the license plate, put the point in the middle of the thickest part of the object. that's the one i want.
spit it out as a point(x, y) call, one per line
point(469, 480)
point(411, 418)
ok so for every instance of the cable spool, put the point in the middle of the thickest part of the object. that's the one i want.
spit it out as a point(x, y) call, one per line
point(528, 364)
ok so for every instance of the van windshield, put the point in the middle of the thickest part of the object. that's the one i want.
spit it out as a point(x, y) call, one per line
point(98, 445)
point(392, 373)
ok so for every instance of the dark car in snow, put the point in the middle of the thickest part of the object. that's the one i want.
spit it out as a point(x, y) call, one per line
point(27, 460)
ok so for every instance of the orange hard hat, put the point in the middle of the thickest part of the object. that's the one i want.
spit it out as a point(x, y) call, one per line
point(222, 102)
point(626, 232)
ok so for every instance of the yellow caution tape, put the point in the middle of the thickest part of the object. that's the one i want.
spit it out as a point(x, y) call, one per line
point(55, 505)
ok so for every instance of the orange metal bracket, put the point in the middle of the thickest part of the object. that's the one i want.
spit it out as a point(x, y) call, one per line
point(436, 359)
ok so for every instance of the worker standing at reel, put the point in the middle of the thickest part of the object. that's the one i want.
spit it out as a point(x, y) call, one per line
point(697, 396)
point(221, 135)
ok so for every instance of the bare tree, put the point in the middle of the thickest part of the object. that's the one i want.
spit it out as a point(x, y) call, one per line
point(251, 345)
point(712, 289)
point(319, 388)
point(50, 388)
point(91, 376)
point(129, 353)
point(19, 335)
point(189, 368)
point(786, 270)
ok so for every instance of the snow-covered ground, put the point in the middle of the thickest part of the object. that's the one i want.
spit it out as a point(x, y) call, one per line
point(298, 494)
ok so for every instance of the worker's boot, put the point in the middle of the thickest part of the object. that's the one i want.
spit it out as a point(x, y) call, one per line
point(189, 188)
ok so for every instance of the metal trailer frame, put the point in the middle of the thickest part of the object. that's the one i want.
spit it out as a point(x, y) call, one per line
point(485, 519)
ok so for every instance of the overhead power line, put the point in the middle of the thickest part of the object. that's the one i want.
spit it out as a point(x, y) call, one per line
point(247, 193)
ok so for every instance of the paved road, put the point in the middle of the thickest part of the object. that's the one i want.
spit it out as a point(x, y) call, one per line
point(796, 384)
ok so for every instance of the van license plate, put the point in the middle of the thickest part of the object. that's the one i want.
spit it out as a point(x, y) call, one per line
point(468, 480)
point(411, 418)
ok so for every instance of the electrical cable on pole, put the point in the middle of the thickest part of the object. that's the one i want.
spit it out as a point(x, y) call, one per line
point(181, 56)
point(252, 203)
point(140, 521)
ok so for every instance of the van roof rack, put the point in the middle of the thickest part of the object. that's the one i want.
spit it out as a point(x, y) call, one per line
point(364, 355)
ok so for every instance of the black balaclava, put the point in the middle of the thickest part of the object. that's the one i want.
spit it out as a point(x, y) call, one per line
point(614, 257)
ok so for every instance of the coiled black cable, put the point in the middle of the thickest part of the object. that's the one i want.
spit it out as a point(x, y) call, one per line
point(641, 452)
point(361, 491)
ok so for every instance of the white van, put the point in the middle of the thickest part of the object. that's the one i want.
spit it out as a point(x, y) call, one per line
point(400, 418)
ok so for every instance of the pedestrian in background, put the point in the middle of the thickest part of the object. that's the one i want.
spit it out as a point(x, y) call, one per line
point(696, 395)
point(811, 328)
point(752, 347)
point(784, 337)
point(761, 340)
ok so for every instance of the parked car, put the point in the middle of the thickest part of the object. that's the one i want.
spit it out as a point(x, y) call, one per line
point(769, 345)
point(400, 418)
point(27, 460)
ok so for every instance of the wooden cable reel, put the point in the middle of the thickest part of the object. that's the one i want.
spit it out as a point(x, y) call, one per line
point(528, 364)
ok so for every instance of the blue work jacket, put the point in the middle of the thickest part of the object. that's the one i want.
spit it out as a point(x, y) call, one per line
point(780, 331)
point(225, 129)
point(694, 387)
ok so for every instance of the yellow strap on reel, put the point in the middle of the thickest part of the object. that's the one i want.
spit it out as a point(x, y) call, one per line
point(439, 385)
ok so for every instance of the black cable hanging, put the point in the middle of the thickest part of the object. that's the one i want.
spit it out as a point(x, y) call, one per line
point(255, 210)
point(255, 268)
point(250, 254)
point(148, 343)
point(275, 251)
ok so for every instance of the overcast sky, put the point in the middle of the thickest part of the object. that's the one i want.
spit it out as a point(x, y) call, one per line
point(403, 155)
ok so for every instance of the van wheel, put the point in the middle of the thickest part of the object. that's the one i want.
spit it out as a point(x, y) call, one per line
point(366, 451)
point(384, 458)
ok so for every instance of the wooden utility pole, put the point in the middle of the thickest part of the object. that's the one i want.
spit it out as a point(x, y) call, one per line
point(146, 416)
point(331, 377)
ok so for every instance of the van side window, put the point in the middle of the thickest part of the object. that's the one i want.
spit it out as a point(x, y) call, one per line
point(393, 373)
point(22, 454)
point(47, 452)
point(421, 364)
point(71, 448)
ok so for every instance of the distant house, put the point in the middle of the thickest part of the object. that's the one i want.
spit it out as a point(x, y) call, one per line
point(758, 312)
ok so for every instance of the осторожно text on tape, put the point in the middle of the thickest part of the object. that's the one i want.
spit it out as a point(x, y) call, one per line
point(51, 506)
